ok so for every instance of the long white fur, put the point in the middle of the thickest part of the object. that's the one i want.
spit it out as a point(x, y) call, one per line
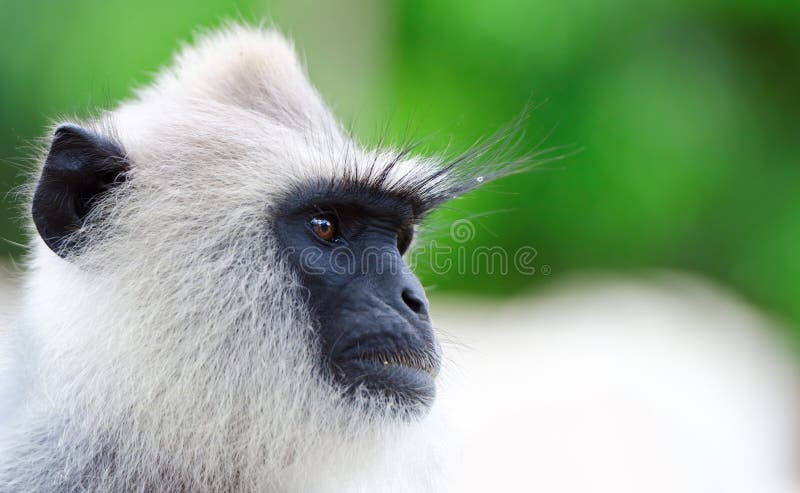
point(174, 353)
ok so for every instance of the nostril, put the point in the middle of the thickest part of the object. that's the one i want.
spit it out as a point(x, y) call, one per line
point(413, 301)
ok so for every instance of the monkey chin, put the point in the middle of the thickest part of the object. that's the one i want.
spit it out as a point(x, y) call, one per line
point(405, 389)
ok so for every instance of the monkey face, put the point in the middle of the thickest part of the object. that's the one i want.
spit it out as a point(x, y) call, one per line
point(342, 238)
point(176, 205)
point(346, 244)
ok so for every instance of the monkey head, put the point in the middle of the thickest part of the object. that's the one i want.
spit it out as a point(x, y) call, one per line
point(233, 261)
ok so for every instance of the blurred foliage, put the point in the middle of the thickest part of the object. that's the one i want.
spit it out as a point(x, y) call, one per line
point(686, 111)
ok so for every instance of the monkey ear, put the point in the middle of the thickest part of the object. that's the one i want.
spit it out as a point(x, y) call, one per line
point(80, 166)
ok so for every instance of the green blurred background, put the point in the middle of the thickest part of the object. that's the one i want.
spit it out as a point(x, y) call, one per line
point(686, 112)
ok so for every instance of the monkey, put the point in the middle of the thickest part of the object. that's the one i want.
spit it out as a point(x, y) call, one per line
point(216, 296)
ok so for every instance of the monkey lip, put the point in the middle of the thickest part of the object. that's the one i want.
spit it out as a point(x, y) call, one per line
point(414, 361)
point(408, 381)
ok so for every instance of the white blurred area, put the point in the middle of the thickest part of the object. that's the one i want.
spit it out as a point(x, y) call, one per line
point(607, 385)
point(611, 385)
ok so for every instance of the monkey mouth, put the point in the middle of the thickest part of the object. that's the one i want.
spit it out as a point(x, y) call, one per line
point(406, 377)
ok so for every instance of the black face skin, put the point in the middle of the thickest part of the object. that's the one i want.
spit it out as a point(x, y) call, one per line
point(346, 245)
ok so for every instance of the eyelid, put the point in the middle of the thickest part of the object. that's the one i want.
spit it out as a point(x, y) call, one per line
point(327, 211)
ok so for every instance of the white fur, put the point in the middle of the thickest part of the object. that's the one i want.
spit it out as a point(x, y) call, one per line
point(174, 354)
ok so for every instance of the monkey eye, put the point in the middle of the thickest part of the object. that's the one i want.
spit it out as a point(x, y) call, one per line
point(324, 227)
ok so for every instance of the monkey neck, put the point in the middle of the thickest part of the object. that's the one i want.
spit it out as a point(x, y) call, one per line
point(88, 435)
point(59, 454)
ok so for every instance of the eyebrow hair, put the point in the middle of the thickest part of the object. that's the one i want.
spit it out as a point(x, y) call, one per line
point(427, 187)
point(424, 187)
point(346, 192)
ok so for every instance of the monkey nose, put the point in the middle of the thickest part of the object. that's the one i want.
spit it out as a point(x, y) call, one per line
point(414, 299)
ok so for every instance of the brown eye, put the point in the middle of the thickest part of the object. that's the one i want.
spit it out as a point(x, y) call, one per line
point(323, 227)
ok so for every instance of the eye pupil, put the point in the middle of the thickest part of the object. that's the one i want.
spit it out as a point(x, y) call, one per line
point(323, 227)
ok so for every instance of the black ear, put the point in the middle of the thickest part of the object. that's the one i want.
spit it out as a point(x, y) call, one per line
point(79, 168)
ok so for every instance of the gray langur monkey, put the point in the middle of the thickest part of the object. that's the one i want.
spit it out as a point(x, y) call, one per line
point(186, 326)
